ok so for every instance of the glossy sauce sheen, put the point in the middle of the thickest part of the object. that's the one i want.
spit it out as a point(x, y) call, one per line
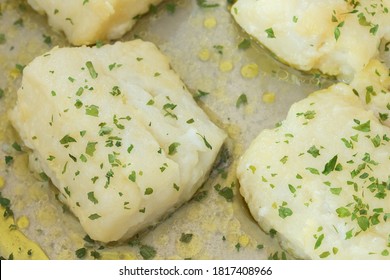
point(234, 80)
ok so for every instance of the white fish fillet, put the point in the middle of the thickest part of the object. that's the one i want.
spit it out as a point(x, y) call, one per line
point(117, 132)
point(321, 179)
point(86, 22)
point(336, 37)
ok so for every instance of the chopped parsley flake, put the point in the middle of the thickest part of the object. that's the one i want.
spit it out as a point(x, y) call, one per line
point(51, 158)
point(186, 237)
point(114, 65)
point(272, 232)
point(171, 8)
point(152, 9)
point(314, 151)
point(319, 241)
point(92, 110)
point(244, 44)
point(365, 127)
point(81, 253)
point(19, 22)
point(172, 149)
point(147, 252)
point(335, 191)
point(374, 29)
point(47, 39)
point(200, 94)
point(6, 203)
point(337, 31)
point(343, 212)
point(115, 91)
point(92, 198)
point(363, 222)
point(199, 196)
point(94, 216)
point(205, 142)
point(218, 48)
point(330, 166)
point(284, 159)
point(91, 69)
point(226, 192)
point(67, 191)
point(78, 104)
point(308, 115)
point(133, 176)
point(324, 255)
point(284, 212)
point(91, 148)
point(168, 109)
point(369, 92)
point(313, 170)
point(80, 91)
point(2, 39)
point(242, 100)
point(292, 188)
point(363, 20)
point(130, 148)
point(66, 140)
point(148, 191)
point(270, 33)
point(95, 254)
point(17, 147)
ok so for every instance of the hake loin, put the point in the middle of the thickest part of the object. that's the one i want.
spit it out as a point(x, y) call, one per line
point(117, 132)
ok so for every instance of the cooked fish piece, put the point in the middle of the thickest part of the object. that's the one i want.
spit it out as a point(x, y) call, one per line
point(117, 132)
point(86, 22)
point(321, 179)
point(372, 85)
point(323, 35)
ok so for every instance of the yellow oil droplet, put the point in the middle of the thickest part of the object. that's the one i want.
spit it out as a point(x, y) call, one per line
point(226, 66)
point(209, 226)
point(2, 182)
point(163, 240)
point(37, 193)
point(269, 97)
point(14, 73)
point(250, 70)
point(243, 240)
point(23, 222)
point(234, 231)
point(47, 216)
point(204, 55)
point(210, 22)
point(194, 214)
